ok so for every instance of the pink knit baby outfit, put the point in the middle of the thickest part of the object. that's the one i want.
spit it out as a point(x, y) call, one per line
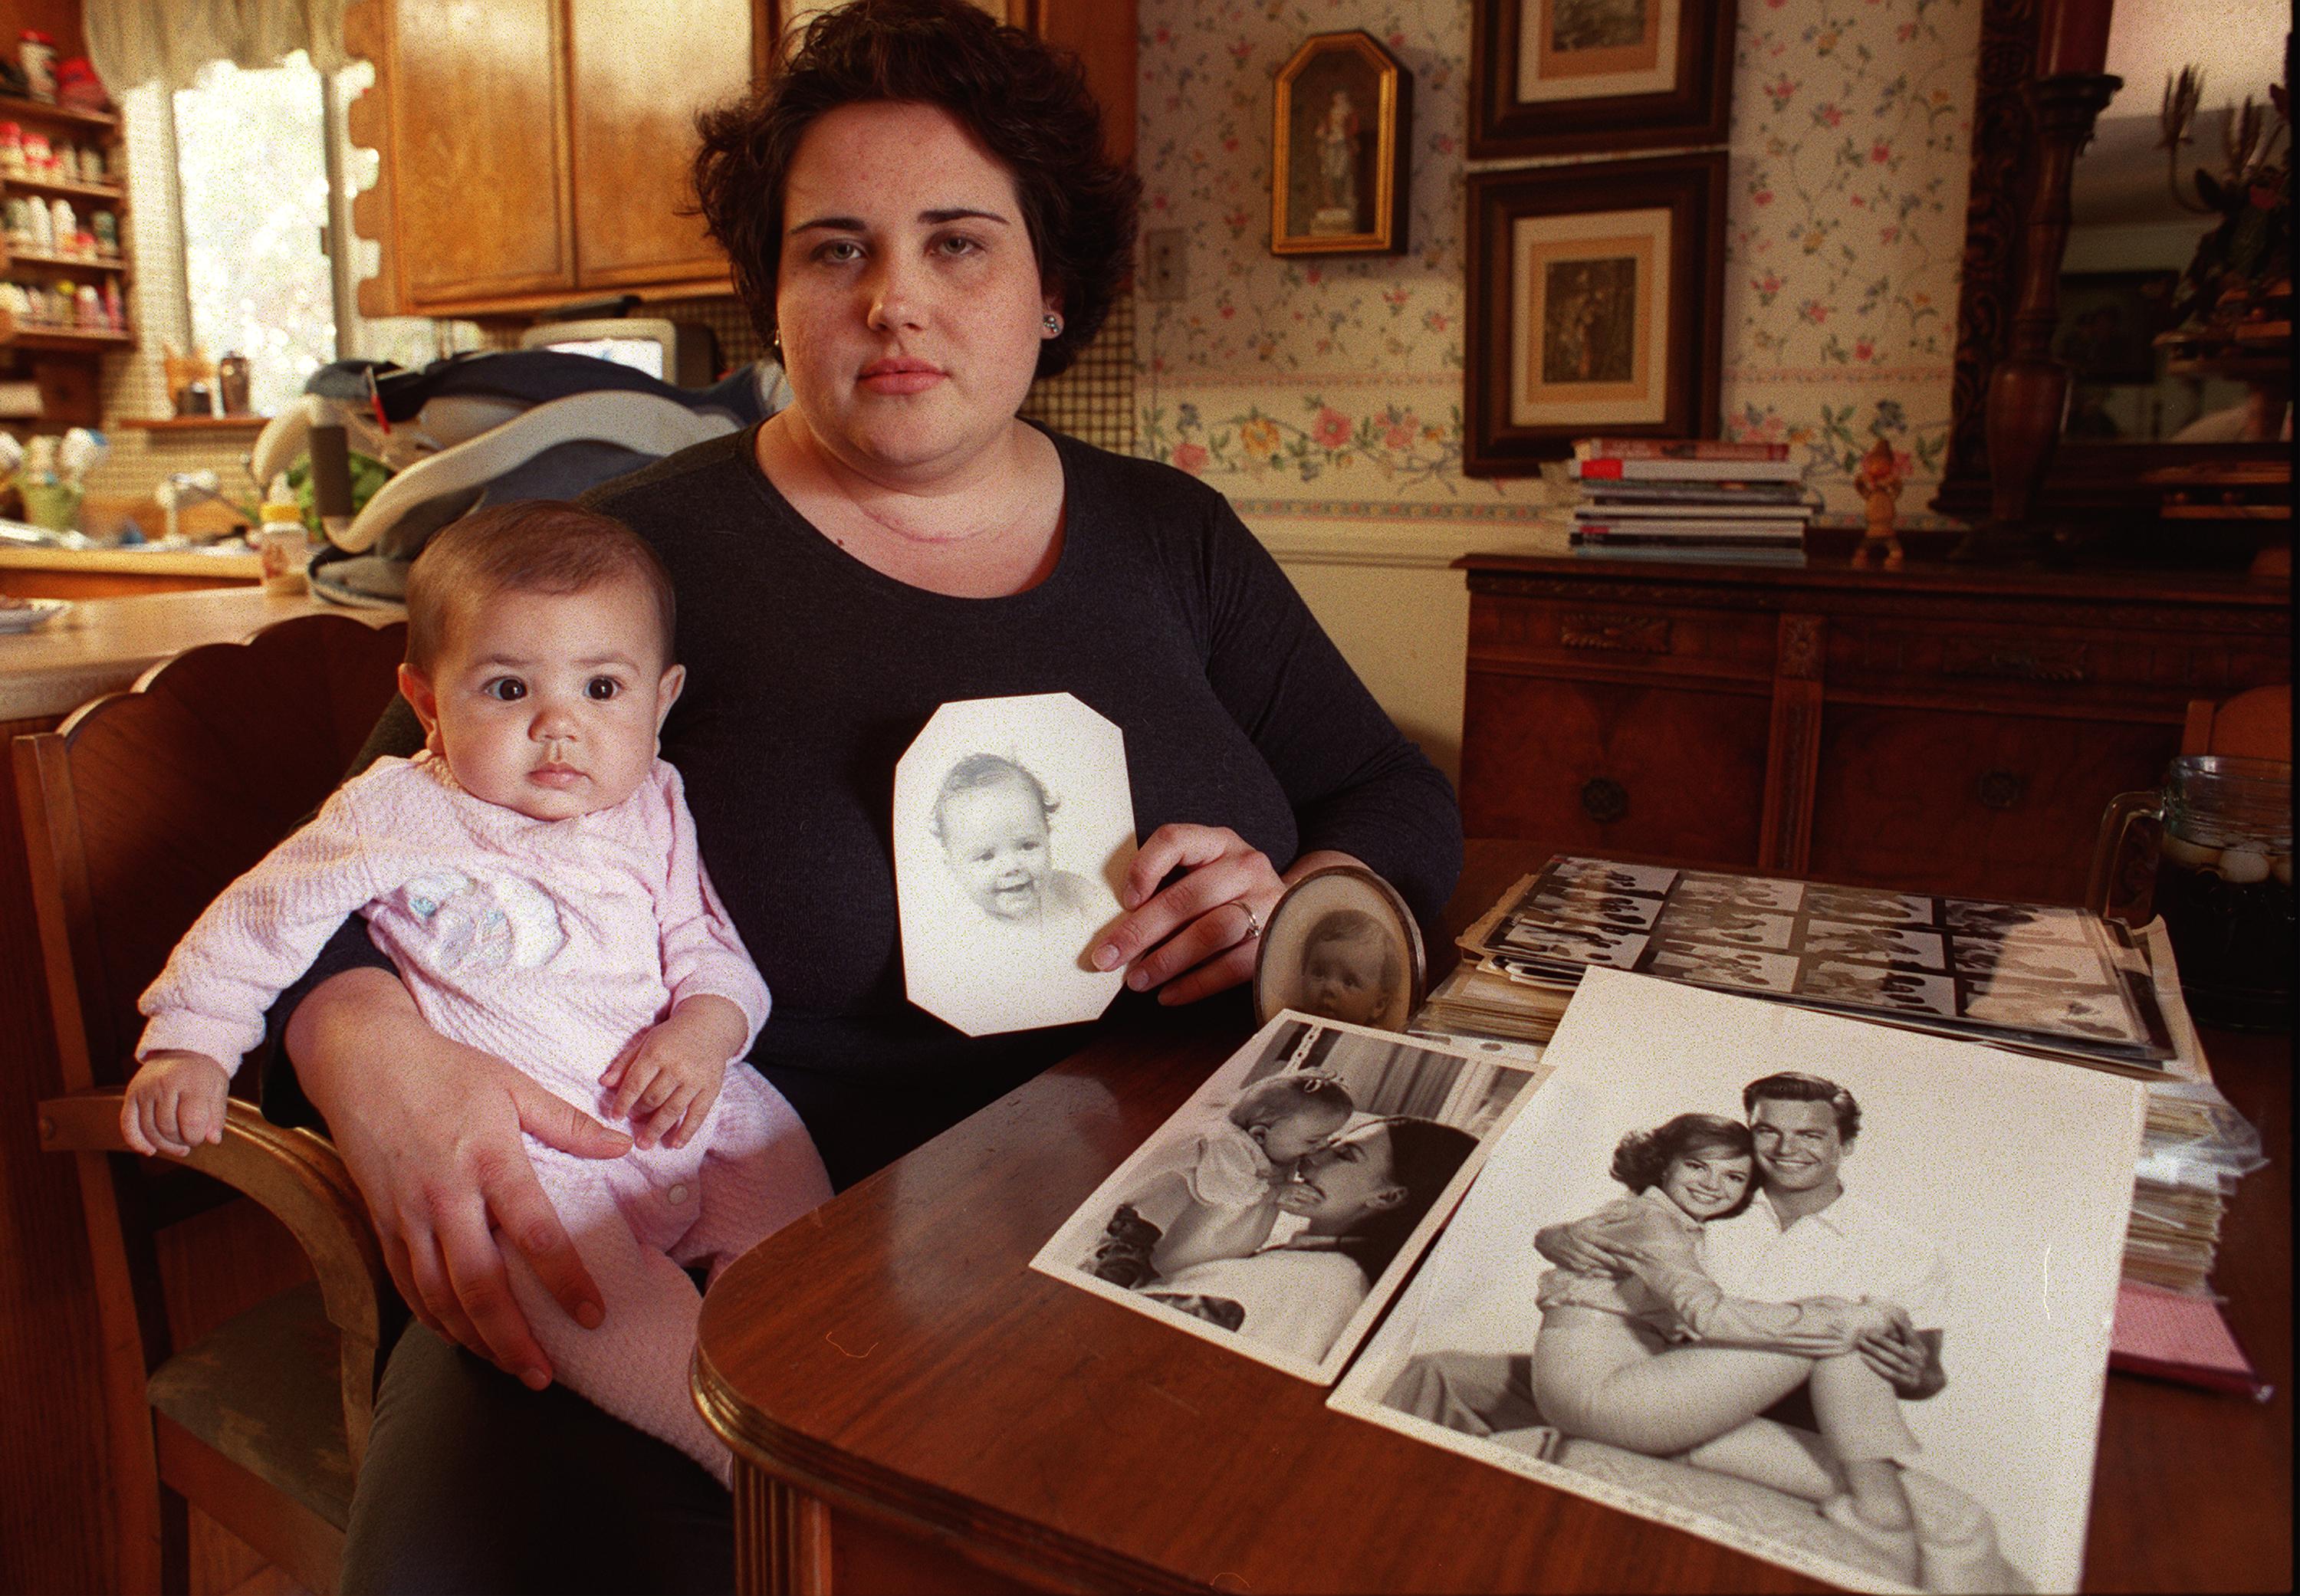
point(550, 943)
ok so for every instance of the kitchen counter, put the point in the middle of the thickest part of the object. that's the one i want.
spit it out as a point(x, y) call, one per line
point(28, 572)
point(101, 645)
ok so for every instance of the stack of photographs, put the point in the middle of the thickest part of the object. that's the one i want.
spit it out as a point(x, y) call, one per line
point(2042, 979)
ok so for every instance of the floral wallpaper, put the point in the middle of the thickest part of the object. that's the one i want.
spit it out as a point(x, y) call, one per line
point(1301, 387)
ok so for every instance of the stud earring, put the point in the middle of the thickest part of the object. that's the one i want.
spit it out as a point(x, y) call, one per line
point(1053, 325)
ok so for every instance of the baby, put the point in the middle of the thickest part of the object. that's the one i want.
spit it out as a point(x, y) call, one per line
point(1220, 1200)
point(1349, 968)
point(993, 817)
point(534, 876)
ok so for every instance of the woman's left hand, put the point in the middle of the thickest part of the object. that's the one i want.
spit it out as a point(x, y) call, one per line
point(1200, 934)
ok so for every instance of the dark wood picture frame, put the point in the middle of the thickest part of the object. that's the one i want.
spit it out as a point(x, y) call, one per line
point(1692, 190)
point(1693, 106)
point(1371, 148)
point(2097, 483)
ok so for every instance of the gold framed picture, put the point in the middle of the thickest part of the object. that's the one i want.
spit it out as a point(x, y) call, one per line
point(1593, 306)
point(1339, 169)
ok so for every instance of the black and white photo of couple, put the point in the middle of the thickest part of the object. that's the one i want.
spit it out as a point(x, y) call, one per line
point(1768, 1275)
point(1281, 1205)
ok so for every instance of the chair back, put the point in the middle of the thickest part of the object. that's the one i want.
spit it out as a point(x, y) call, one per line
point(145, 804)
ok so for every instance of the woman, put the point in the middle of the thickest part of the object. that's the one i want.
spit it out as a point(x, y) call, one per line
point(1362, 1193)
point(919, 221)
point(1659, 1360)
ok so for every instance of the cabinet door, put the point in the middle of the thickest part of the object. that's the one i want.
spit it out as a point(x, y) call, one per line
point(477, 108)
point(640, 71)
point(1607, 768)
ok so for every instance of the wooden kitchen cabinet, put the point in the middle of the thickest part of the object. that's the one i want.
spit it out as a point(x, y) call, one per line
point(1935, 728)
point(535, 152)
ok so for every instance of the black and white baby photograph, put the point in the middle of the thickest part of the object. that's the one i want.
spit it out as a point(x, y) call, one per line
point(1910, 992)
point(1014, 825)
point(1754, 969)
point(1808, 1287)
point(1881, 944)
point(1698, 890)
point(1341, 944)
point(1279, 1209)
point(1857, 903)
point(1743, 927)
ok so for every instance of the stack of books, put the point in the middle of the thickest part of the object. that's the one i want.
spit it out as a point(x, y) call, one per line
point(1674, 497)
point(2050, 982)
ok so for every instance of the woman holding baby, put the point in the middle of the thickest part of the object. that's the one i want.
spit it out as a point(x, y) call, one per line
point(920, 222)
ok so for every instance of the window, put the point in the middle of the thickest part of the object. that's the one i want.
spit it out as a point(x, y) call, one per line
point(264, 196)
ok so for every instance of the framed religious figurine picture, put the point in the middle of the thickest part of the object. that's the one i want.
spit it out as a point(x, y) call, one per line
point(1337, 164)
point(1561, 77)
point(1341, 944)
point(1593, 306)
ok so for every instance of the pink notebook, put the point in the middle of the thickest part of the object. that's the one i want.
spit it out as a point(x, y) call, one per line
point(2165, 1335)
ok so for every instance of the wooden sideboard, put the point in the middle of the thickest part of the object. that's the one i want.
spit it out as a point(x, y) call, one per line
point(1938, 728)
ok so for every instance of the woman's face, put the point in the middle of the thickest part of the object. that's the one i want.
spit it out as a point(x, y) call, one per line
point(1706, 1182)
point(908, 300)
point(1343, 1182)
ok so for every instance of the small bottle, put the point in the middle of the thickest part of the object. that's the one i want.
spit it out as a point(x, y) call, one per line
point(106, 228)
point(40, 226)
point(116, 315)
point(87, 308)
point(283, 540)
point(12, 150)
point(63, 221)
point(36, 53)
point(19, 221)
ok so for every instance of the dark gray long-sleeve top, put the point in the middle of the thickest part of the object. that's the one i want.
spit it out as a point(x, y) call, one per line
point(809, 674)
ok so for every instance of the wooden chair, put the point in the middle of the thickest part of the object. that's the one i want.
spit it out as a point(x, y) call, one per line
point(137, 810)
point(2253, 725)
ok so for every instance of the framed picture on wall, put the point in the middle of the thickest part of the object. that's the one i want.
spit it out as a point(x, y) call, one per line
point(1345, 110)
point(1553, 77)
point(1592, 307)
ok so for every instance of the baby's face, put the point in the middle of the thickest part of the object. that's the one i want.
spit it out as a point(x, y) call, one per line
point(993, 839)
point(1341, 980)
point(548, 702)
point(1298, 1134)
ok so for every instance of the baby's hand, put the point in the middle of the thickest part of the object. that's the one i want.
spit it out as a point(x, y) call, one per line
point(667, 1079)
point(175, 1102)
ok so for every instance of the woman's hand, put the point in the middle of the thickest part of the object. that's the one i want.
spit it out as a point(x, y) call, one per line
point(1198, 934)
point(429, 1130)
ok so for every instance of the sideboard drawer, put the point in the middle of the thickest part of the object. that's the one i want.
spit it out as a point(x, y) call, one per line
point(1607, 634)
point(1938, 800)
point(1670, 772)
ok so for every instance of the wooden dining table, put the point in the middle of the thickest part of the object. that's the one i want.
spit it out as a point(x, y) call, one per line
point(913, 1409)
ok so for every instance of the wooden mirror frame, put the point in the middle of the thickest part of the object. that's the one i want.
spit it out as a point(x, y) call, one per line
point(2087, 478)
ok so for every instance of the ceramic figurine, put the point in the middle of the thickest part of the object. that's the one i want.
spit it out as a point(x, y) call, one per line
point(1879, 482)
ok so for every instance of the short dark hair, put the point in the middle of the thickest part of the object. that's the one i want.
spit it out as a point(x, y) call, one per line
point(1024, 101)
point(1792, 1085)
point(1299, 1089)
point(532, 545)
point(977, 771)
point(1642, 1158)
point(1423, 1155)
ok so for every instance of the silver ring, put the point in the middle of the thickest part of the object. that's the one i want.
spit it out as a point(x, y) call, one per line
point(1253, 920)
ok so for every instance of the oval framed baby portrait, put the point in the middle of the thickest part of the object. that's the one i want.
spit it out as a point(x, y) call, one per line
point(1341, 944)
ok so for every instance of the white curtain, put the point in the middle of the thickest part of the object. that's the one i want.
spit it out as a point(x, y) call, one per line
point(134, 42)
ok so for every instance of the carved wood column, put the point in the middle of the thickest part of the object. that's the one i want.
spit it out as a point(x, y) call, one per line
point(1793, 745)
point(782, 1536)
